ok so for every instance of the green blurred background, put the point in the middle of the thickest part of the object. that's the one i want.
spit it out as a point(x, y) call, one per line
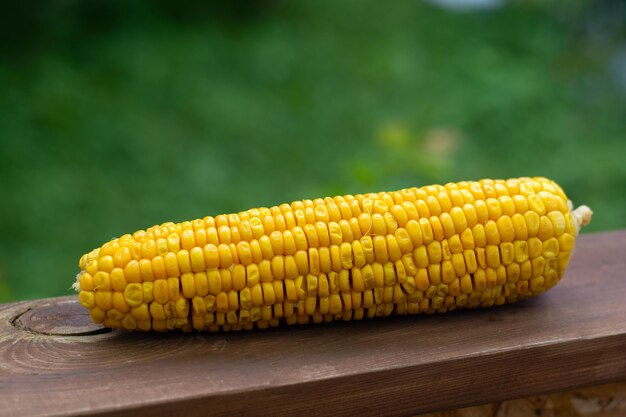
point(115, 115)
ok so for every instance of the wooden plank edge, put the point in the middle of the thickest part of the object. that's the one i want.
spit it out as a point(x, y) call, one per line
point(413, 390)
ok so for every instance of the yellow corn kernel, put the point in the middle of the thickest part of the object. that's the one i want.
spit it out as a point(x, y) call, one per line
point(97, 314)
point(200, 284)
point(458, 263)
point(345, 252)
point(480, 280)
point(421, 257)
point(86, 282)
point(140, 312)
point(535, 247)
point(400, 215)
point(537, 284)
point(480, 237)
point(507, 253)
point(302, 262)
point(422, 281)
point(437, 228)
point(466, 284)
point(538, 265)
point(370, 275)
point(160, 290)
point(133, 294)
point(400, 272)
point(563, 260)
point(492, 233)
point(459, 219)
point(188, 284)
point(171, 264)
point(414, 231)
point(535, 203)
point(470, 213)
point(291, 269)
point(448, 273)
point(550, 248)
point(184, 261)
point(546, 230)
point(132, 273)
point(519, 227)
point(558, 222)
point(358, 283)
point(471, 264)
point(221, 302)
point(173, 288)
point(445, 250)
point(340, 282)
point(380, 249)
point(158, 268)
point(105, 263)
point(481, 257)
point(122, 256)
point(409, 264)
point(525, 270)
point(277, 266)
point(300, 241)
point(434, 252)
point(213, 281)
point(335, 304)
point(211, 255)
point(181, 308)
point(87, 299)
point(426, 231)
point(173, 243)
point(119, 302)
point(92, 266)
point(467, 239)
point(325, 261)
point(506, 229)
point(148, 291)
point(389, 273)
point(225, 255)
point(335, 233)
point(532, 223)
point(520, 250)
point(513, 272)
point(447, 224)
point(455, 244)
point(101, 281)
point(493, 256)
point(267, 250)
point(311, 284)
point(434, 272)
point(145, 268)
point(566, 242)
point(265, 271)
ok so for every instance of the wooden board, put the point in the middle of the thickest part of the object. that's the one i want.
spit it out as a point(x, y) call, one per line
point(575, 335)
point(607, 400)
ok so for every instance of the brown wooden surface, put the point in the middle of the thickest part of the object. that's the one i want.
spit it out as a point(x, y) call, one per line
point(54, 362)
point(608, 400)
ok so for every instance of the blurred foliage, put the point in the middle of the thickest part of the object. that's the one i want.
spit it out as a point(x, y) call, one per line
point(115, 116)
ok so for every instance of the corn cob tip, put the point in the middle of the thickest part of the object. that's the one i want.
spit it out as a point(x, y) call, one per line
point(76, 284)
point(582, 216)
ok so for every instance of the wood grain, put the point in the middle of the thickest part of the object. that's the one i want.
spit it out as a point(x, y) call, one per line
point(53, 362)
point(607, 400)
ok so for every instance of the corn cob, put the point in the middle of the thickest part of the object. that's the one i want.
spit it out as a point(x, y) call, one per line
point(417, 250)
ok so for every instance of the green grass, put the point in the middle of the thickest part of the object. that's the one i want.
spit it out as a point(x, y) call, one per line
point(115, 117)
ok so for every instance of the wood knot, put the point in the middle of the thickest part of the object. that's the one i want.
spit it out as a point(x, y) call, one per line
point(60, 317)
